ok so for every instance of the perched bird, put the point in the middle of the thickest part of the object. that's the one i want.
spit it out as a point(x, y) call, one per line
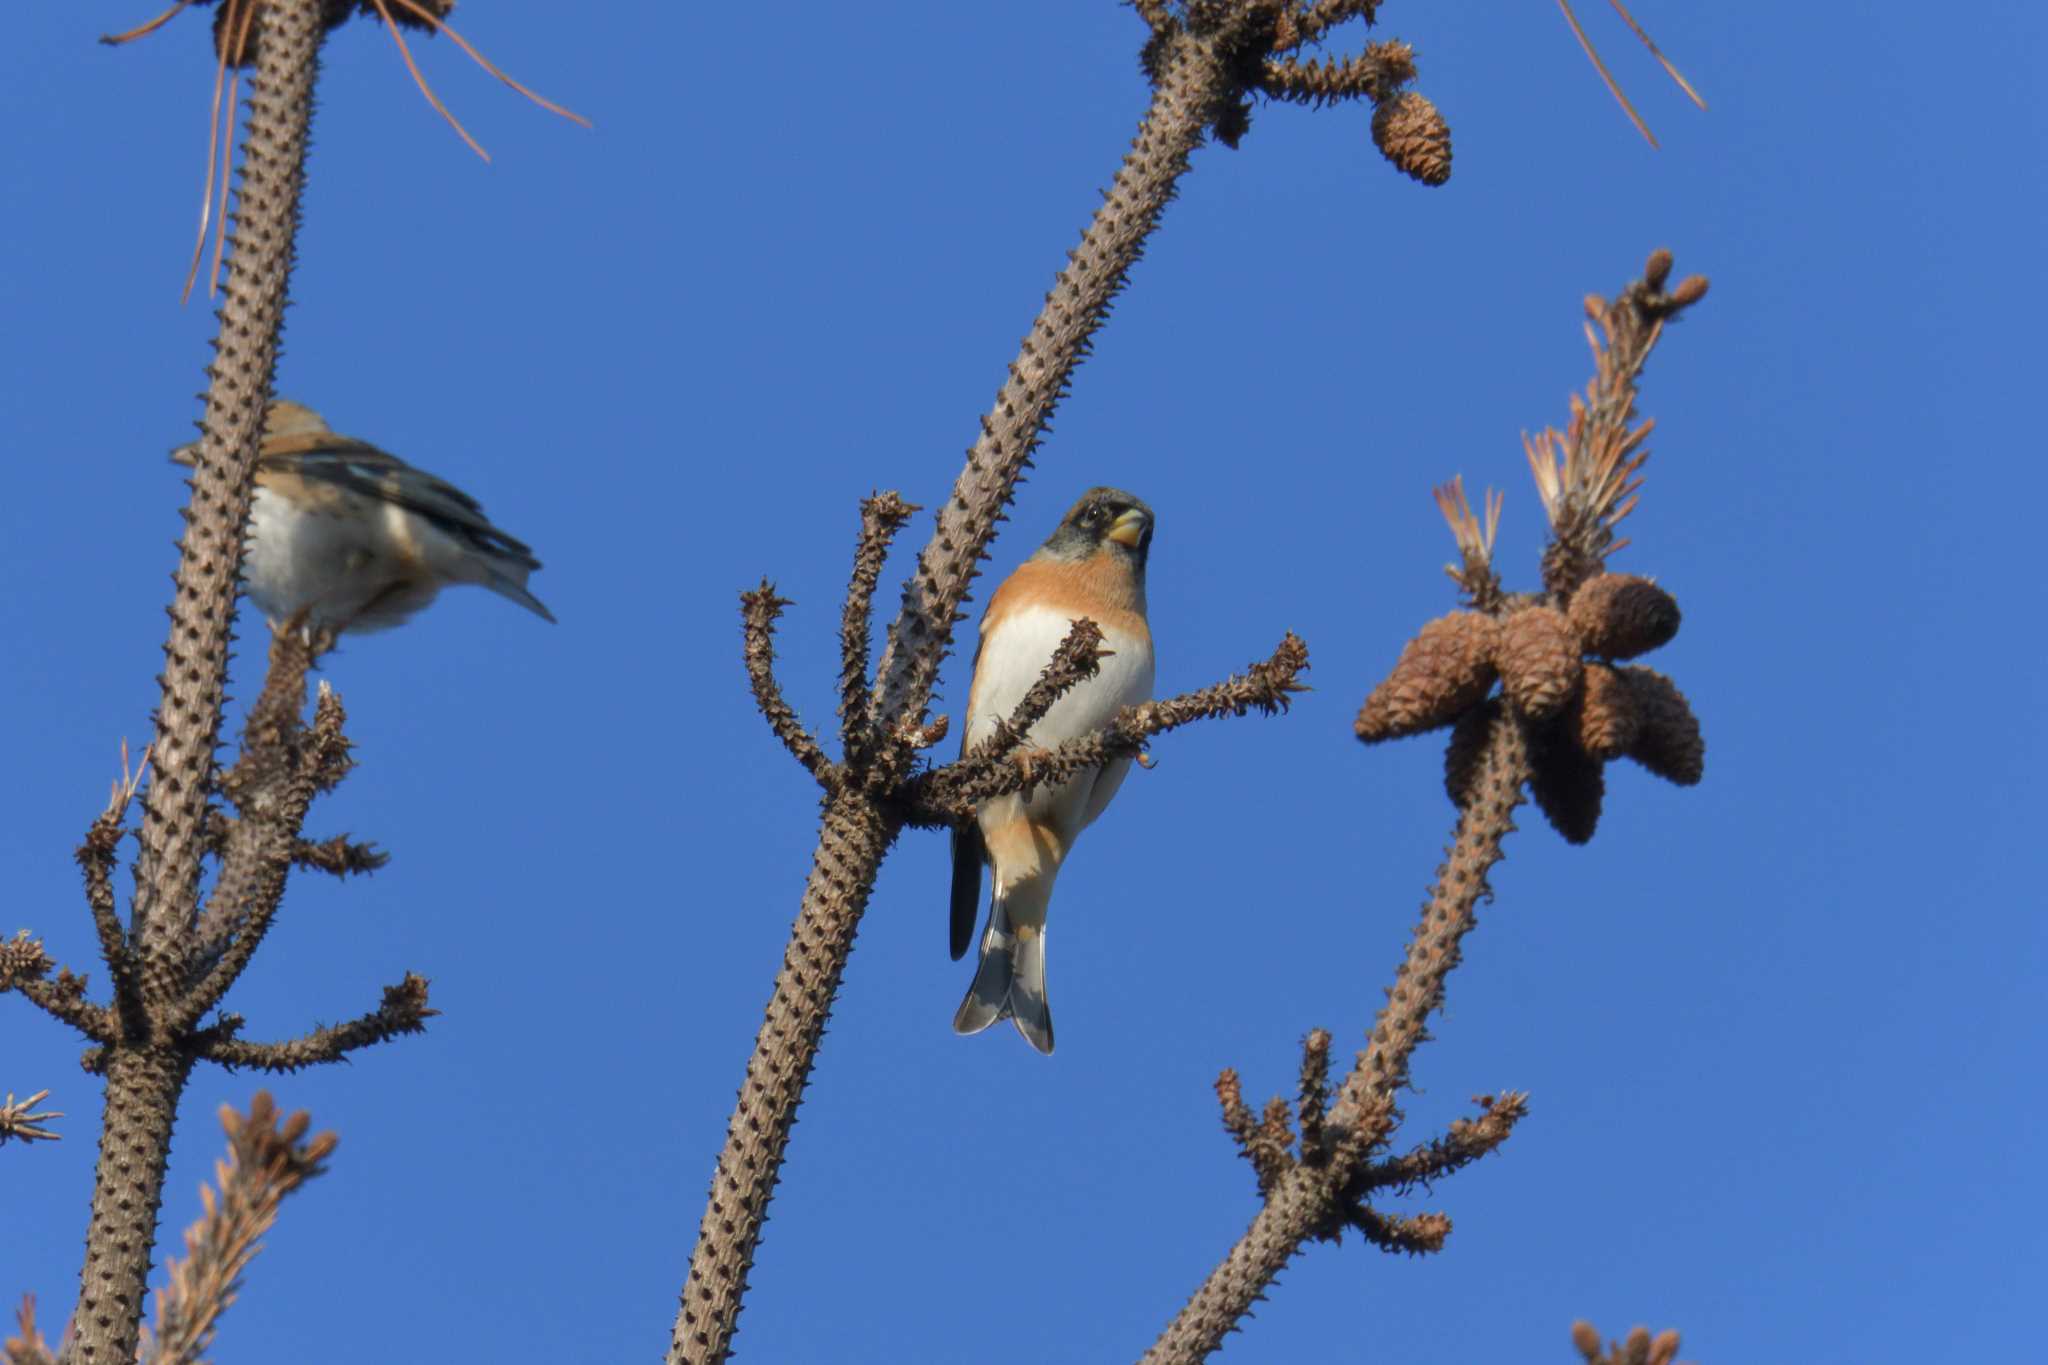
point(358, 537)
point(1092, 566)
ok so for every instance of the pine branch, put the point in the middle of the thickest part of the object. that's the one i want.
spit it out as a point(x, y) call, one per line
point(404, 1010)
point(758, 610)
point(145, 1076)
point(951, 793)
point(881, 517)
point(266, 1162)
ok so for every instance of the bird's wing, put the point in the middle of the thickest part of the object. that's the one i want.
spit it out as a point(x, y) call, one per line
point(359, 467)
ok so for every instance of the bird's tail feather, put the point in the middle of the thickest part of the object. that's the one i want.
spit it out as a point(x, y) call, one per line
point(1009, 982)
point(505, 585)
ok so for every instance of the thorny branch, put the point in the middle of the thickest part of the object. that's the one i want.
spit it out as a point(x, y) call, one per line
point(1077, 659)
point(404, 1010)
point(759, 609)
point(881, 517)
point(951, 793)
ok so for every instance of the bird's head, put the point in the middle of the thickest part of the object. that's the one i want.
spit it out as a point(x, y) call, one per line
point(1104, 521)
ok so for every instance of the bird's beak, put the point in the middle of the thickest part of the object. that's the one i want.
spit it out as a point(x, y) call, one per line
point(1129, 529)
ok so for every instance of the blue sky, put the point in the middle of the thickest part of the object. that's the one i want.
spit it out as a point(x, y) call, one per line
point(1781, 1031)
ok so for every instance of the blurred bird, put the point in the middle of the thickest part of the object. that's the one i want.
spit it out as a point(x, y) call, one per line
point(357, 537)
point(1092, 566)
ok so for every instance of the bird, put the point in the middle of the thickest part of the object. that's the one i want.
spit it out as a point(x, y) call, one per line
point(358, 539)
point(1092, 566)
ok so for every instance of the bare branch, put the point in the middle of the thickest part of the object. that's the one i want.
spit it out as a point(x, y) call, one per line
point(951, 793)
point(851, 841)
point(758, 610)
point(19, 1119)
point(1466, 1142)
point(1078, 658)
point(1257, 1139)
point(283, 765)
point(881, 517)
point(1316, 20)
point(1313, 1100)
point(1378, 72)
point(146, 1078)
point(25, 968)
point(1404, 1234)
point(202, 608)
point(1365, 1108)
point(404, 1010)
point(338, 856)
point(96, 859)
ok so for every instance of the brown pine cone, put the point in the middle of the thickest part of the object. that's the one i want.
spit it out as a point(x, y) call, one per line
point(1605, 720)
point(1468, 743)
point(1619, 616)
point(1538, 656)
point(1669, 742)
point(1410, 132)
point(1567, 782)
point(1445, 671)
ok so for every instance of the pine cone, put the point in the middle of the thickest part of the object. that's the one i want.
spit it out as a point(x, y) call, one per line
point(1669, 742)
point(1445, 671)
point(1619, 616)
point(1605, 722)
point(1468, 742)
point(1538, 656)
point(1410, 132)
point(1568, 784)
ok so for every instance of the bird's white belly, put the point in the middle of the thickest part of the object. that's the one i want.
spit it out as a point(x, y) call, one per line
point(1012, 662)
point(322, 558)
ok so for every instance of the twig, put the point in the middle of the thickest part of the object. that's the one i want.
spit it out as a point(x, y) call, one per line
point(948, 794)
point(1466, 1142)
point(1077, 659)
point(404, 1010)
point(337, 856)
point(19, 1119)
point(1403, 1234)
point(758, 611)
point(881, 517)
point(283, 765)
